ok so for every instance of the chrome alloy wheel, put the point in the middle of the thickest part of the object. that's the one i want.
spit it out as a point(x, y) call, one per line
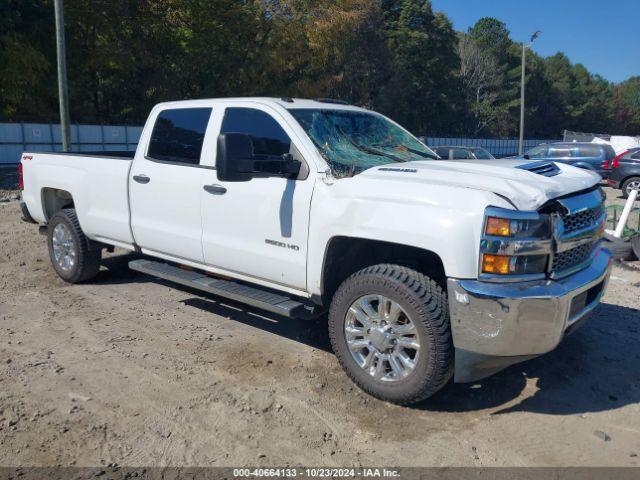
point(382, 338)
point(64, 248)
point(635, 185)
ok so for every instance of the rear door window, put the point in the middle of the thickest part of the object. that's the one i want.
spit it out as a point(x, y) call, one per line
point(539, 151)
point(460, 154)
point(590, 151)
point(178, 135)
point(443, 152)
point(560, 152)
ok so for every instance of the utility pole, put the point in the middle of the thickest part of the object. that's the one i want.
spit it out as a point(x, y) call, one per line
point(521, 142)
point(524, 50)
point(63, 93)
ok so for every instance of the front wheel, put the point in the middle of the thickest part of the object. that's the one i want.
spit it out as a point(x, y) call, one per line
point(389, 328)
point(74, 257)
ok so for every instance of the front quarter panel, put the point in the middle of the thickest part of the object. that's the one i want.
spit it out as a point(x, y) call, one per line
point(442, 219)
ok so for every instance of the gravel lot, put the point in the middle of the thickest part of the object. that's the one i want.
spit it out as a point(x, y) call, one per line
point(133, 371)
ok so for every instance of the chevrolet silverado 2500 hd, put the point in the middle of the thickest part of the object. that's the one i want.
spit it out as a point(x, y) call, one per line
point(429, 269)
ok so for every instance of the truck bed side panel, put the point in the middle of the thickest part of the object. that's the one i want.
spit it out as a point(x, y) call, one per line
point(98, 186)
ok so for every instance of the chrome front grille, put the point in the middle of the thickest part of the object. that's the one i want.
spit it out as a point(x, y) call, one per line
point(571, 258)
point(578, 225)
point(578, 221)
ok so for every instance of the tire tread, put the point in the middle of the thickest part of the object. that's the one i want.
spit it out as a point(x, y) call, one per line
point(433, 306)
point(89, 254)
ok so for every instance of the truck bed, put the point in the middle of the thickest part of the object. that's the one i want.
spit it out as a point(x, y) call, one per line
point(96, 183)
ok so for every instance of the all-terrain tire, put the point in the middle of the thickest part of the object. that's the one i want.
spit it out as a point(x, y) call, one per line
point(87, 253)
point(425, 302)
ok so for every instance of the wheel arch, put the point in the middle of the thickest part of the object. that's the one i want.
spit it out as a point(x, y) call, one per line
point(55, 199)
point(345, 255)
point(629, 177)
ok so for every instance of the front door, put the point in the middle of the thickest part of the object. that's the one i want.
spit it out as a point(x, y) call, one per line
point(259, 228)
point(165, 185)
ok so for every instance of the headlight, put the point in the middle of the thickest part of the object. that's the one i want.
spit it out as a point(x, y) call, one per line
point(515, 245)
point(535, 226)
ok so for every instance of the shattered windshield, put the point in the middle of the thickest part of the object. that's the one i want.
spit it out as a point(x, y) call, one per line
point(352, 141)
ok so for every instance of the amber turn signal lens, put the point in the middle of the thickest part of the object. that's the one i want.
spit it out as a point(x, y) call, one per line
point(498, 226)
point(499, 264)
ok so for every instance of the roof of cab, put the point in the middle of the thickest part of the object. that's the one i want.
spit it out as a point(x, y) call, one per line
point(288, 103)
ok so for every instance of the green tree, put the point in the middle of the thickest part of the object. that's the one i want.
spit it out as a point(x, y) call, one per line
point(492, 37)
point(423, 86)
point(396, 56)
point(27, 61)
point(626, 106)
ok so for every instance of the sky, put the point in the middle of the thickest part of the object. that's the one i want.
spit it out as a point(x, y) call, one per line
point(602, 35)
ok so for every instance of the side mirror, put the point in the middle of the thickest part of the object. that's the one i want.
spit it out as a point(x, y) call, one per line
point(234, 160)
point(526, 157)
point(290, 166)
point(276, 166)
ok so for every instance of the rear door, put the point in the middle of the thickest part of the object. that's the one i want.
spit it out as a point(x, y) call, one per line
point(165, 185)
point(259, 228)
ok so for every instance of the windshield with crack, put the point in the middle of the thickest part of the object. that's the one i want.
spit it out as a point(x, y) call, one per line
point(352, 141)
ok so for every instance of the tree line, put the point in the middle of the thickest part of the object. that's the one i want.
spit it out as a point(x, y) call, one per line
point(398, 57)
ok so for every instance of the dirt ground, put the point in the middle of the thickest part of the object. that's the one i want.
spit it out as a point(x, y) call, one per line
point(8, 184)
point(131, 370)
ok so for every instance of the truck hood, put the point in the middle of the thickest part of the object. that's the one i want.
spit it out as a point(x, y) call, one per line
point(527, 190)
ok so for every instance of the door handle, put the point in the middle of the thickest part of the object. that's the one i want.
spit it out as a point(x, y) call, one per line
point(215, 189)
point(141, 178)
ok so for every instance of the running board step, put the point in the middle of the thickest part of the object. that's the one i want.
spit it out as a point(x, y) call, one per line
point(254, 296)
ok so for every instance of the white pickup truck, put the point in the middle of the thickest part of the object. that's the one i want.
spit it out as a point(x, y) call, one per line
point(428, 268)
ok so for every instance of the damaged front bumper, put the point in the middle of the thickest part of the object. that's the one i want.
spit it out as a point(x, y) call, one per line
point(495, 325)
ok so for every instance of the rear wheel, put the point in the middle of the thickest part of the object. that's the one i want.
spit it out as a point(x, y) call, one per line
point(389, 328)
point(74, 257)
point(630, 184)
